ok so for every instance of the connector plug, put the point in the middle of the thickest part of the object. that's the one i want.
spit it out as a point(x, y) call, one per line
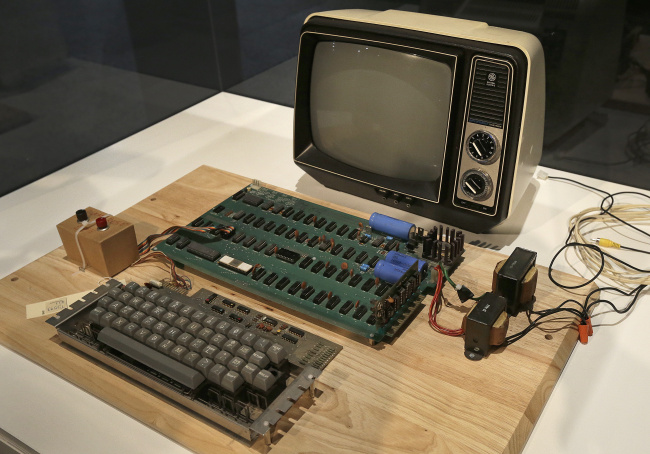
point(585, 330)
point(464, 293)
point(604, 242)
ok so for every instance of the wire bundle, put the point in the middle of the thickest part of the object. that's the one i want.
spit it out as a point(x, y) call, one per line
point(144, 250)
point(603, 264)
point(178, 280)
point(436, 305)
point(146, 244)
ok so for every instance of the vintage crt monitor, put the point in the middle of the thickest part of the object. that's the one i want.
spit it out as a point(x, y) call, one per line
point(439, 116)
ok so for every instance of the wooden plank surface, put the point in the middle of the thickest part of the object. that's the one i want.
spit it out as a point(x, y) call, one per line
point(417, 394)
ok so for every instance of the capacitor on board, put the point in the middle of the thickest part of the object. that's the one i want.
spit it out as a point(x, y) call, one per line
point(389, 272)
point(405, 261)
point(391, 226)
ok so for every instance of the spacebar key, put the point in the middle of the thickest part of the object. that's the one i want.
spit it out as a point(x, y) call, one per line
point(149, 357)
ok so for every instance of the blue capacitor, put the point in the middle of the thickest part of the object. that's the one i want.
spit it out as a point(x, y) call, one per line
point(391, 226)
point(389, 272)
point(405, 261)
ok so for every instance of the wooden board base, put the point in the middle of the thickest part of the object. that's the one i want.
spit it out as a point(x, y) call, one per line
point(417, 394)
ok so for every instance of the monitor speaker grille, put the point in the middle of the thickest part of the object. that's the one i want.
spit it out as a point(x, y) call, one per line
point(489, 94)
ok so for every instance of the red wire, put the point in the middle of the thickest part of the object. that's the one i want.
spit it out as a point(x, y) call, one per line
point(435, 306)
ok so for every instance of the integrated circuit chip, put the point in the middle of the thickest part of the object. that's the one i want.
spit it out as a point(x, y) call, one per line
point(287, 256)
point(252, 200)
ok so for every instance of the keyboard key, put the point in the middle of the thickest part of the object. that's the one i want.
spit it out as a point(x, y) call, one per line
point(173, 333)
point(218, 340)
point(152, 296)
point(158, 312)
point(175, 306)
point(142, 335)
point(198, 316)
point(193, 328)
point(119, 323)
point(231, 346)
point(126, 312)
point(114, 292)
point(178, 352)
point(191, 358)
point(125, 297)
point(248, 338)
point(181, 323)
point(217, 373)
point(236, 364)
point(249, 372)
point(149, 322)
point(276, 353)
point(169, 318)
point(96, 314)
point(209, 351)
point(104, 301)
point(259, 359)
point(131, 287)
point(223, 357)
point(206, 334)
point(130, 329)
point(187, 311)
point(166, 346)
point(204, 365)
point(115, 306)
point(154, 340)
point(210, 322)
point(164, 301)
point(264, 380)
point(244, 352)
point(185, 340)
point(137, 317)
point(198, 345)
point(236, 333)
point(232, 381)
point(223, 327)
point(141, 292)
point(107, 319)
point(160, 328)
point(136, 302)
point(262, 345)
point(147, 307)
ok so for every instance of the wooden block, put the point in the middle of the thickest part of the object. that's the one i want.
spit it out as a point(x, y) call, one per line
point(106, 251)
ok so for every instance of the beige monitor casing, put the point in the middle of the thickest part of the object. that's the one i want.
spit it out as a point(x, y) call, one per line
point(529, 146)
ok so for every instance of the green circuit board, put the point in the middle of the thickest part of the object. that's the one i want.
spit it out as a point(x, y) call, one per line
point(310, 258)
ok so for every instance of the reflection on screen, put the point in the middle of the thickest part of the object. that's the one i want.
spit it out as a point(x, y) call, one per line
point(380, 110)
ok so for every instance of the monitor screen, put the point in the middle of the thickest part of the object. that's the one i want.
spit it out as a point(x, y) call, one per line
point(381, 110)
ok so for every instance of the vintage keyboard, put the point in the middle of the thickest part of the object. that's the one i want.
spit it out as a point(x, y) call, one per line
point(236, 366)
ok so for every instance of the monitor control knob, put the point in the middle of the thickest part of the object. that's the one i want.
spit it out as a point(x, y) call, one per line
point(483, 147)
point(477, 185)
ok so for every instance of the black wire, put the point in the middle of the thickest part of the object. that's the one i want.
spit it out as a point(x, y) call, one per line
point(575, 244)
point(635, 250)
point(636, 292)
point(509, 340)
point(579, 184)
point(606, 210)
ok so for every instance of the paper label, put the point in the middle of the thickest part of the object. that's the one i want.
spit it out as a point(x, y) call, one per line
point(51, 307)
